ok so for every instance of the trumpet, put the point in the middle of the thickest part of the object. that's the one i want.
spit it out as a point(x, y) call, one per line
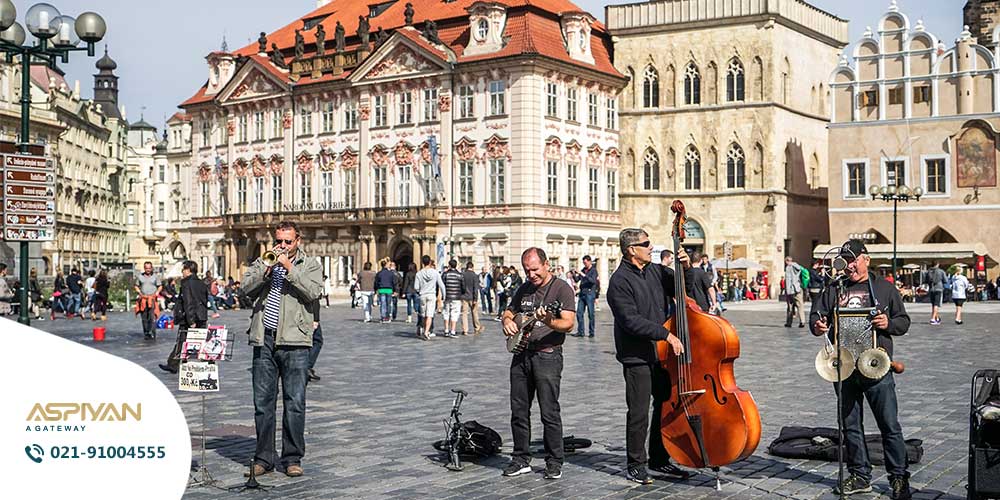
point(270, 257)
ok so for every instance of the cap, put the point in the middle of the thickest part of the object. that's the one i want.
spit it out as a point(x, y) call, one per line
point(852, 249)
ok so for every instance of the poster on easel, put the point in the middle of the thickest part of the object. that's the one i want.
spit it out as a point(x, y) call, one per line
point(198, 376)
point(214, 343)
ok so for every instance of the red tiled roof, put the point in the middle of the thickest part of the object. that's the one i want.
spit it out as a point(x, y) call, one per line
point(532, 28)
point(182, 117)
point(41, 75)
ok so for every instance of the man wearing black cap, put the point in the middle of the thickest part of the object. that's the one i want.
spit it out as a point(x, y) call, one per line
point(864, 289)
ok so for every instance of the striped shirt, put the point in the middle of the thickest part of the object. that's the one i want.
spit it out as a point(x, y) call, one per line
point(272, 307)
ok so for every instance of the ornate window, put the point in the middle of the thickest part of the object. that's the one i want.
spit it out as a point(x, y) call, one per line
point(736, 169)
point(692, 169)
point(466, 101)
point(692, 84)
point(326, 187)
point(551, 100)
point(430, 104)
point(241, 196)
point(498, 167)
point(350, 188)
point(571, 105)
point(465, 179)
point(405, 173)
point(242, 128)
point(612, 190)
point(650, 88)
point(552, 182)
point(277, 128)
point(206, 200)
point(327, 125)
point(571, 185)
point(593, 110)
point(482, 29)
point(306, 121)
point(379, 111)
point(350, 115)
point(276, 192)
point(651, 171)
point(405, 108)
point(258, 194)
point(735, 82)
point(305, 189)
point(380, 176)
point(593, 175)
point(612, 113)
point(498, 94)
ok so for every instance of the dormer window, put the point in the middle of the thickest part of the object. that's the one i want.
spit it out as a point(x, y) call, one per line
point(482, 29)
point(486, 25)
point(576, 27)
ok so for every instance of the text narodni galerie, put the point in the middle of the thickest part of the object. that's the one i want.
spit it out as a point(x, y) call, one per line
point(83, 412)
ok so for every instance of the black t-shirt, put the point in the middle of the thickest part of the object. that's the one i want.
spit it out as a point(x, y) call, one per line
point(697, 283)
point(528, 298)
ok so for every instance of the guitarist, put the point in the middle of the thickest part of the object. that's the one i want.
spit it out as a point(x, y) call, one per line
point(538, 369)
point(638, 294)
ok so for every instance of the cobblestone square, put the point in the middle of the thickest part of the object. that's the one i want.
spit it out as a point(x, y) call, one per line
point(384, 394)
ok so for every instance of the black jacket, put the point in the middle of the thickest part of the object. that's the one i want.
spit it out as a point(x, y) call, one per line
point(638, 303)
point(471, 286)
point(191, 307)
point(887, 300)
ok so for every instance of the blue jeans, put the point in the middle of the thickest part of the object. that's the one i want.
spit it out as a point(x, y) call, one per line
point(316, 347)
point(586, 302)
point(412, 304)
point(73, 306)
point(486, 300)
point(384, 305)
point(881, 396)
point(291, 365)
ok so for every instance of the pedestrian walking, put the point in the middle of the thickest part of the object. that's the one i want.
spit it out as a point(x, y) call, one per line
point(147, 307)
point(793, 292)
point(190, 311)
point(587, 280)
point(470, 300)
point(366, 288)
point(934, 280)
point(960, 288)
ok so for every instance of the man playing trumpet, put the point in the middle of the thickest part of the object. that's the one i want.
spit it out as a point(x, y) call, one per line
point(283, 285)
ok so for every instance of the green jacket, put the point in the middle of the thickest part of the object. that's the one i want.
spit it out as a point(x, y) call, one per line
point(303, 286)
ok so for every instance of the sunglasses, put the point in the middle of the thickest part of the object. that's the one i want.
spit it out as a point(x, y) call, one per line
point(287, 242)
point(644, 244)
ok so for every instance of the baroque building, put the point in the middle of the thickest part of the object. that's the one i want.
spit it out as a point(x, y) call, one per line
point(726, 111)
point(910, 112)
point(466, 128)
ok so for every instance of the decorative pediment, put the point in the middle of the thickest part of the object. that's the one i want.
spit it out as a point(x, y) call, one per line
point(304, 162)
point(252, 82)
point(379, 155)
point(241, 167)
point(326, 160)
point(594, 153)
point(553, 148)
point(349, 158)
point(573, 150)
point(497, 147)
point(277, 164)
point(204, 172)
point(465, 149)
point(398, 57)
point(257, 165)
point(403, 153)
point(612, 158)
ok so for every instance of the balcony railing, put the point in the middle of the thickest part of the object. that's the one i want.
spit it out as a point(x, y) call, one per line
point(348, 215)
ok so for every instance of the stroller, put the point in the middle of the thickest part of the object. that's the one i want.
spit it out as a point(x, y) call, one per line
point(984, 436)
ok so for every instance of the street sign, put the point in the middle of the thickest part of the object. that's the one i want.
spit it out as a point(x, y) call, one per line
point(29, 198)
point(727, 250)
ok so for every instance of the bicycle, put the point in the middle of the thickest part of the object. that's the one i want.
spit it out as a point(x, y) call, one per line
point(466, 438)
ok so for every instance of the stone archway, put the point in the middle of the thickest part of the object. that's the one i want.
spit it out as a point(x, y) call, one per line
point(402, 255)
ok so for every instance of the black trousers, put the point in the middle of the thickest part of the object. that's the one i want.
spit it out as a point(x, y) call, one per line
point(174, 359)
point(148, 316)
point(643, 382)
point(535, 372)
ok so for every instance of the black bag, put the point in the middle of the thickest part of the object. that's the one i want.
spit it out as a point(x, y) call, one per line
point(482, 441)
point(820, 443)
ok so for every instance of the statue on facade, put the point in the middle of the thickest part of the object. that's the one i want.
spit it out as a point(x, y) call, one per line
point(380, 37)
point(408, 13)
point(431, 31)
point(320, 40)
point(300, 45)
point(338, 37)
point(363, 28)
point(262, 43)
point(276, 58)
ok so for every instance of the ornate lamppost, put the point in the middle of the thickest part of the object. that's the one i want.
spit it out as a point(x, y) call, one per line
point(56, 36)
point(895, 195)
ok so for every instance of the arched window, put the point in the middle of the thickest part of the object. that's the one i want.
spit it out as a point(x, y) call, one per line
point(692, 168)
point(650, 171)
point(735, 85)
point(650, 88)
point(692, 85)
point(736, 168)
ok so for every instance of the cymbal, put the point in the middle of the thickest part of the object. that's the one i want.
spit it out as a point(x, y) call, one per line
point(826, 363)
point(874, 363)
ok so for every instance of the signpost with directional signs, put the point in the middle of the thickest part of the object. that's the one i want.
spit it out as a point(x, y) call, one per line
point(29, 198)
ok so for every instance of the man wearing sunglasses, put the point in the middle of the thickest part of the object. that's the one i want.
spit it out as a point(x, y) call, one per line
point(638, 293)
point(281, 333)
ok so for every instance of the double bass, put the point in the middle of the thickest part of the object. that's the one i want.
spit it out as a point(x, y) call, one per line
point(708, 421)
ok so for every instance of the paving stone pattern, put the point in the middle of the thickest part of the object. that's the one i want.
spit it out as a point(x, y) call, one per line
point(384, 396)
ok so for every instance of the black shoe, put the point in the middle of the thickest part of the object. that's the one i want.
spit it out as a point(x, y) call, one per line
point(516, 468)
point(670, 470)
point(900, 488)
point(312, 375)
point(168, 368)
point(147, 336)
point(854, 484)
point(788, 325)
point(802, 325)
point(638, 474)
point(553, 470)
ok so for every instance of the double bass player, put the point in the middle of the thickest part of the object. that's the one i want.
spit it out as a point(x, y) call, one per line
point(638, 293)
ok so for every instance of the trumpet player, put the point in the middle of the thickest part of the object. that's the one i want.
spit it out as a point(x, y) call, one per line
point(863, 289)
point(283, 284)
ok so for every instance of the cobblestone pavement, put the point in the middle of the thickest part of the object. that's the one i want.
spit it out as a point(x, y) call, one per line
point(384, 394)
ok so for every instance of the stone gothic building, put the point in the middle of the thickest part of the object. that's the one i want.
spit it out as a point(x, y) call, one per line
point(726, 110)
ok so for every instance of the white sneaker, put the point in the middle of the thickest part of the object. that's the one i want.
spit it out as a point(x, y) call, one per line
point(431, 334)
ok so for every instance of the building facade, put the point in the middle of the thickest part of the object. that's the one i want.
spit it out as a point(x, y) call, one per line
point(726, 111)
point(910, 111)
point(477, 132)
point(982, 18)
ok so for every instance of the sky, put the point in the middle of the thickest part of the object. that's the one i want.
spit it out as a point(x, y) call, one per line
point(160, 46)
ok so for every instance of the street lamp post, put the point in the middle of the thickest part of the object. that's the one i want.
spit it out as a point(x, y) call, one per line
point(895, 195)
point(57, 35)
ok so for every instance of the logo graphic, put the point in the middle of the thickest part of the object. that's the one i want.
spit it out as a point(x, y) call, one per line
point(35, 453)
point(103, 412)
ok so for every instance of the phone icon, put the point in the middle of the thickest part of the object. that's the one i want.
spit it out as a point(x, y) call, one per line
point(35, 453)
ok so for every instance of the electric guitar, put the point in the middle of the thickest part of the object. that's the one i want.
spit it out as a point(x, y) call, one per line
point(517, 342)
